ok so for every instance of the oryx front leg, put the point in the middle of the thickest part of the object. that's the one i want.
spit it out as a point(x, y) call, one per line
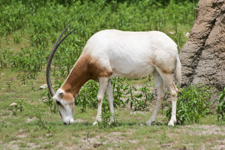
point(109, 94)
point(103, 82)
point(160, 96)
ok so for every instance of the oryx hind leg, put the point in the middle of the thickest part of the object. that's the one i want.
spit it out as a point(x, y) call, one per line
point(168, 80)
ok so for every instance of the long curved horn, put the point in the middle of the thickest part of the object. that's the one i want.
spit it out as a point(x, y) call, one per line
point(57, 43)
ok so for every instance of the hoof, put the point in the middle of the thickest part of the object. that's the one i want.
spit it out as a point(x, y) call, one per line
point(95, 123)
point(112, 122)
point(149, 122)
point(171, 123)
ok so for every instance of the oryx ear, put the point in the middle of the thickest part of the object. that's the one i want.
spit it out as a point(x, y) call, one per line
point(61, 93)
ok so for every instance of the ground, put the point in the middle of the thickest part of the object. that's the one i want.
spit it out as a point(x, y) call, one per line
point(24, 130)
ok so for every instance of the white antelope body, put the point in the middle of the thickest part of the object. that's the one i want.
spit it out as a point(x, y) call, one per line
point(114, 53)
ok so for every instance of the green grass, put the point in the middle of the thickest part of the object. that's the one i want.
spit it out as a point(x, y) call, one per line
point(130, 133)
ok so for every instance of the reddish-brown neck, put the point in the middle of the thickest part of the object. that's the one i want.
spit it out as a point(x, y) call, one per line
point(79, 75)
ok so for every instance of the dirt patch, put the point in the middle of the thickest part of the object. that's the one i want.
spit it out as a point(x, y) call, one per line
point(79, 121)
point(92, 140)
point(31, 119)
point(206, 130)
point(33, 145)
point(5, 114)
point(220, 145)
point(11, 145)
point(114, 138)
point(21, 134)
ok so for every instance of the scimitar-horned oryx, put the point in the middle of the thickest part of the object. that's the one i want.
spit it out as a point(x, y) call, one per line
point(114, 53)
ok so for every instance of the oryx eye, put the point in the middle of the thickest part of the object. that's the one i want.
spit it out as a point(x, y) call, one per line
point(58, 103)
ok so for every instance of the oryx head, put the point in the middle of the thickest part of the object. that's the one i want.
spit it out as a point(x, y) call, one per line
point(64, 100)
point(65, 103)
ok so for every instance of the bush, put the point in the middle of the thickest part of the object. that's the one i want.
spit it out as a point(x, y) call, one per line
point(192, 104)
point(221, 108)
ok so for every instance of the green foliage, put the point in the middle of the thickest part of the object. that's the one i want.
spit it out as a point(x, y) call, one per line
point(138, 101)
point(28, 61)
point(14, 110)
point(20, 104)
point(39, 23)
point(49, 101)
point(17, 106)
point(3, 124)
point(221, 108)
point(17, 38)
point(147, 97)
point(118, 90)
point(9, 84)
point(192, 104)
point(41, 124)
point(88, 95)
point(107, 120)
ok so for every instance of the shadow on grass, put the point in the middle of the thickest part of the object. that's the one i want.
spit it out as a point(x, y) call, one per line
point(90, 124)
point(121, 124)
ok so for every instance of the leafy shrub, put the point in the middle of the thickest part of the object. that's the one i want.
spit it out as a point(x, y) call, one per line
point(221, 108)
point(49, 101)
point(88, 95)
point(106, 120)
point(192, 104)
point(41, 124)
point(118, 90)
point(17, 38)
point(138, 101)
